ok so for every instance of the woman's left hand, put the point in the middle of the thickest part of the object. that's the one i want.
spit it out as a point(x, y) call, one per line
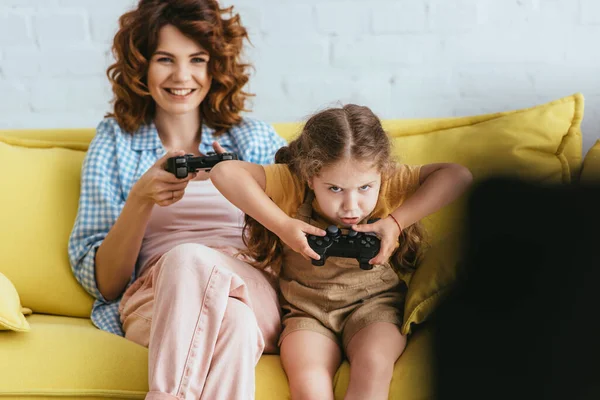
point(388, 232)
point(217, 148)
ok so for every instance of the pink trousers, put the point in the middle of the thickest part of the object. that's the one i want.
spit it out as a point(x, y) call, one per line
point(206, 318)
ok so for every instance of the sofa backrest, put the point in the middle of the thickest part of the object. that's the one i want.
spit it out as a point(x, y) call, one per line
point(41, 172)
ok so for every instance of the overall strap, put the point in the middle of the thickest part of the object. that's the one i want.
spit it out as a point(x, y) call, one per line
point(304, 212)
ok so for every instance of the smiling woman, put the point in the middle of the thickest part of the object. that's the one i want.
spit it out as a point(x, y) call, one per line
point(178, 77)
point(191, 26)
point(178, 88)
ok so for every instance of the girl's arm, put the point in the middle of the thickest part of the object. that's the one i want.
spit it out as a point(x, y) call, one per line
point(243, 184)
point(440, 185)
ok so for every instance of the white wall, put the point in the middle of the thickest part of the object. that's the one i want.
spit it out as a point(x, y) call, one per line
point(404, 58)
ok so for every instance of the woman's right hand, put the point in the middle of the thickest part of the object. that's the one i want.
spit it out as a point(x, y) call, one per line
point(293, 233)
point(158, 186)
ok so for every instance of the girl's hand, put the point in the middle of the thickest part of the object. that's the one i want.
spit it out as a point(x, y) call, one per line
point(158, 186)
point(293, 233)
point(388, 232)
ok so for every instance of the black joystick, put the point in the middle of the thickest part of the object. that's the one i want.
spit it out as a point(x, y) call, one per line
point(362, 246)
point(333, 231)
point(181, 166)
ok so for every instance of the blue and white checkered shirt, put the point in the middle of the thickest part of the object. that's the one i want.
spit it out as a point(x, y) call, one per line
point(114, 162)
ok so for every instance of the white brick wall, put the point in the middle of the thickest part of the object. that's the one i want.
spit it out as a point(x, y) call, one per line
point(404, 58)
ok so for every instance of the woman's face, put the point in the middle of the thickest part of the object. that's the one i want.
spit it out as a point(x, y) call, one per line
point(178, 77)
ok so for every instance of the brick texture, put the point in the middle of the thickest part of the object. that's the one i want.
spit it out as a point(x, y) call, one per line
point(403, 58)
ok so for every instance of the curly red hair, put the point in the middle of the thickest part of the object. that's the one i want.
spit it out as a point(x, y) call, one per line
point(200, 20)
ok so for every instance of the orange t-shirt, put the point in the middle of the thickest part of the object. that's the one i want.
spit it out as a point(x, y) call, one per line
point(288, 191)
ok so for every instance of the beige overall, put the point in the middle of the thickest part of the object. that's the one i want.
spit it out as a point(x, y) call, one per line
point(337, 299)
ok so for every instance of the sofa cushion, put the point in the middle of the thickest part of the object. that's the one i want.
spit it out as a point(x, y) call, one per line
point(69, 358)
point(541, 143)
point(69, 138)
point(40, 185)
point(11, 312)
point(590, 172)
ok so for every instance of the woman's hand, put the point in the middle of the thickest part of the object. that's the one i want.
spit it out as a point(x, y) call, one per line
point(388, 232)
point(158, 186)
point(217, 148)
point(293, 233)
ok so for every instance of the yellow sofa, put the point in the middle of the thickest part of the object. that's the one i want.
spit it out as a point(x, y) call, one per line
point(58, 353)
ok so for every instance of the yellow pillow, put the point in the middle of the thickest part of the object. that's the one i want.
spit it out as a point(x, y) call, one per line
point(11, 313)
point(541, 143)
point(590, 172)
point(40, 194)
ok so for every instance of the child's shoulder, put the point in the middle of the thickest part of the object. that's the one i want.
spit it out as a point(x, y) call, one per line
point(398, 170)
point(284, 187)
point(279, 171)
point(281, 178)
point(401, 178)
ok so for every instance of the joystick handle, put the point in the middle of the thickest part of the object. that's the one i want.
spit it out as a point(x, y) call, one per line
point(333, 231)
point(364, 265)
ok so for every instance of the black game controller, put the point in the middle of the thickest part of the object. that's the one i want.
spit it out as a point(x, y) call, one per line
point(361, 246)
point(181, 166)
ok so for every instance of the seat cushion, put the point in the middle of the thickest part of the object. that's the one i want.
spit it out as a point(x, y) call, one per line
point(69, 358)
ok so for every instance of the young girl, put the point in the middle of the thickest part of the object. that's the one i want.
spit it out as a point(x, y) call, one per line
point(338, 172)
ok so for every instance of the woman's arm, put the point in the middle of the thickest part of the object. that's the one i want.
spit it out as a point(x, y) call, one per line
point(102, 268)
point(440, 184)
point(116, 257)
point(108, 231)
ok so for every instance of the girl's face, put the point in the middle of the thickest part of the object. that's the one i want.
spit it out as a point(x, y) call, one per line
point(347, 191)
point(178, 77)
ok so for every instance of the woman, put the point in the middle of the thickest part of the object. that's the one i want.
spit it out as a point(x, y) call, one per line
point(165, 247)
